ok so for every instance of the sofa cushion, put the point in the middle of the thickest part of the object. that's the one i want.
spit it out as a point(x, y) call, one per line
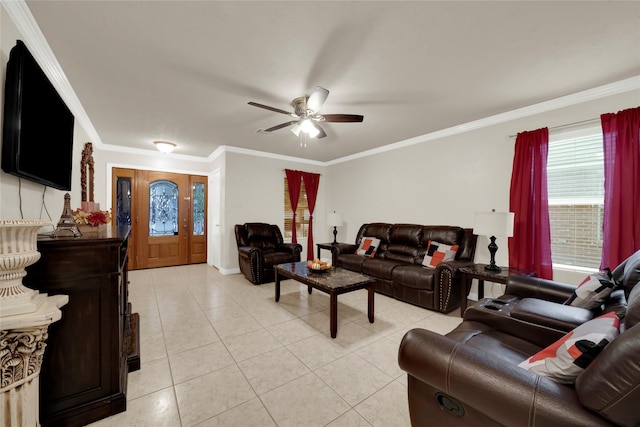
point(368, 246)
point(438, 252)
point(274, 258)
point(414, 276)
point(593, 291)
point(564, 360)
point(259, 231)
point(448, 235)
point(351, 262)
point(379, 268)
point(263, 244)
point(406, 234)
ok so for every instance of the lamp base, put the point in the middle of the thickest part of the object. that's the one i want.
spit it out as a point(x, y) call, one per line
point(492, 268)
point(335, 235)
point(493, 248)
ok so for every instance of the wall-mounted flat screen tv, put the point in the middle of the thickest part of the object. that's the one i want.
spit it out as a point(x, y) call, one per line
point(37, 134)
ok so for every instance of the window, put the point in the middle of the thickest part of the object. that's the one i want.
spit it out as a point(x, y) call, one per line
point(575, 174)
point(302, 213)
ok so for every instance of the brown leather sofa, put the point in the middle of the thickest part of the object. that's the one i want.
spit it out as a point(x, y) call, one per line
point(260, 248)
point(397, 265)
point(470, 376)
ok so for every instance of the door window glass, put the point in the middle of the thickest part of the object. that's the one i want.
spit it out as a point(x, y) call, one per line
point(163, 208)
point(123, 201)
point(198, 209)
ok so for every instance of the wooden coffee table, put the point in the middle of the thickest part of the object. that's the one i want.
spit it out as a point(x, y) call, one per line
point(334, 282)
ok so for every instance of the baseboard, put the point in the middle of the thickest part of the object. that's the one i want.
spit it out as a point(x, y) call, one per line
point(228, 271)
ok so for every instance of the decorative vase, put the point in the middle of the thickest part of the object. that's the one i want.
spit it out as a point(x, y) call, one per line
point(87, 229)
point(18, 250)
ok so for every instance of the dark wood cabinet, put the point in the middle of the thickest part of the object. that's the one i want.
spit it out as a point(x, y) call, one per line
point(93, 347)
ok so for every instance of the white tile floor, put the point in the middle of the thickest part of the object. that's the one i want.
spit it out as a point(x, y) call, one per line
point(219, 351)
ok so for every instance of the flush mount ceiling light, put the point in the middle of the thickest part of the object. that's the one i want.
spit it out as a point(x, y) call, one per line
point(164, 146)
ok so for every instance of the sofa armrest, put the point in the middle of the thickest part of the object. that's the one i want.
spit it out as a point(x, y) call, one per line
point(254, 261)
point(503, 392)
point(343, 248)
point(247, 251)
point(446, 279)
point(534, 287)
point(294, 248)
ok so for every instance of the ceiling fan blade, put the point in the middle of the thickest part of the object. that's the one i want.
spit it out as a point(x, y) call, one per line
point(280, 126)
point(317, 98)
point(342, 118)
point(266, 107)
point(321, 133)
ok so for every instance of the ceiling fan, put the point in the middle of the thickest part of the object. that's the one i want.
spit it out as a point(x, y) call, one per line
point(306, 114)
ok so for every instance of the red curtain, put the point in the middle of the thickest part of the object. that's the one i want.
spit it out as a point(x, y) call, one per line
point(294, 182)
point(530, 246)
point(621, 227)
point(311, 183)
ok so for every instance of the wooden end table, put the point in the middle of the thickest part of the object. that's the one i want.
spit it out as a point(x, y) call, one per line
point(477, 271)
point(326, 246)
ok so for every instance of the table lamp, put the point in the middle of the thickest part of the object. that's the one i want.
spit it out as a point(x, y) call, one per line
point(493, 224)
point(334, 220)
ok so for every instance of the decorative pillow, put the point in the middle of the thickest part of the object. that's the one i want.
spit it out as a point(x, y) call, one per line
point(565, 359)
point(593, 291)
point(368, 246)
point(438, 252)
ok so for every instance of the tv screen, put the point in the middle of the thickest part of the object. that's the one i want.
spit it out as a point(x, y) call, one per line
point(37, 136)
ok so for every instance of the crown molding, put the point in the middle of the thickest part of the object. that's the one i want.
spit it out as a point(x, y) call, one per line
point(622, 86)
point(25, 22)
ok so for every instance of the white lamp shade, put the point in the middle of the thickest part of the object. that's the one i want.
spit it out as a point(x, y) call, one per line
point(493, 223)
point(334, 219)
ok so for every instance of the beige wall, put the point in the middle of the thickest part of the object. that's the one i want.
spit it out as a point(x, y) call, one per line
point(254, 193)
point(443, 181)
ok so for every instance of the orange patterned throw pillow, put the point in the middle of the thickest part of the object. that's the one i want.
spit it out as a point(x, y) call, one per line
point(438, 252)
point(368, 246)
point(593, 291)
point(564, 360)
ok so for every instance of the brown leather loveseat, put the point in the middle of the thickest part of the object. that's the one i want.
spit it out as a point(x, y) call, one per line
point(260, 247)
point(471, 377)
point(397, 263)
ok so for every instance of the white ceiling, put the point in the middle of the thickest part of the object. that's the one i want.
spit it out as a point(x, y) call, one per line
point(183, 71)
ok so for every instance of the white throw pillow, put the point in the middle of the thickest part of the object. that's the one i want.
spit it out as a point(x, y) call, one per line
point(368, 246)
point(438, 252)
point(564, 360)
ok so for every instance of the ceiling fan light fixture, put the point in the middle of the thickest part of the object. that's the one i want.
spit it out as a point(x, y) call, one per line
point(165, 146)
point(296, 129)
point(307, 127)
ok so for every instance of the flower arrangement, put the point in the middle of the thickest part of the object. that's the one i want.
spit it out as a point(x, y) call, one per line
point(94, 219)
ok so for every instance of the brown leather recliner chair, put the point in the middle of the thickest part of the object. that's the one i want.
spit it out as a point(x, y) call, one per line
point(470, 376)
point(260, 247)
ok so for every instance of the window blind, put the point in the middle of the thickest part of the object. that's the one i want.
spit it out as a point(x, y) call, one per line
point(575, 177)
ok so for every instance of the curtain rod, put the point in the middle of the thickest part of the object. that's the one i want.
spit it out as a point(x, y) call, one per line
point(284, 170)
point(569, 125)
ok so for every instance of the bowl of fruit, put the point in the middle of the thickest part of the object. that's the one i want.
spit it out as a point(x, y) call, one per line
point(318, 266)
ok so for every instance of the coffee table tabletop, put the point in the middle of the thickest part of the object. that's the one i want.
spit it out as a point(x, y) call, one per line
point(334, 282)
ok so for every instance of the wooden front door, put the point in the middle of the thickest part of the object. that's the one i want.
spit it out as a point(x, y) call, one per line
point(167, 214)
